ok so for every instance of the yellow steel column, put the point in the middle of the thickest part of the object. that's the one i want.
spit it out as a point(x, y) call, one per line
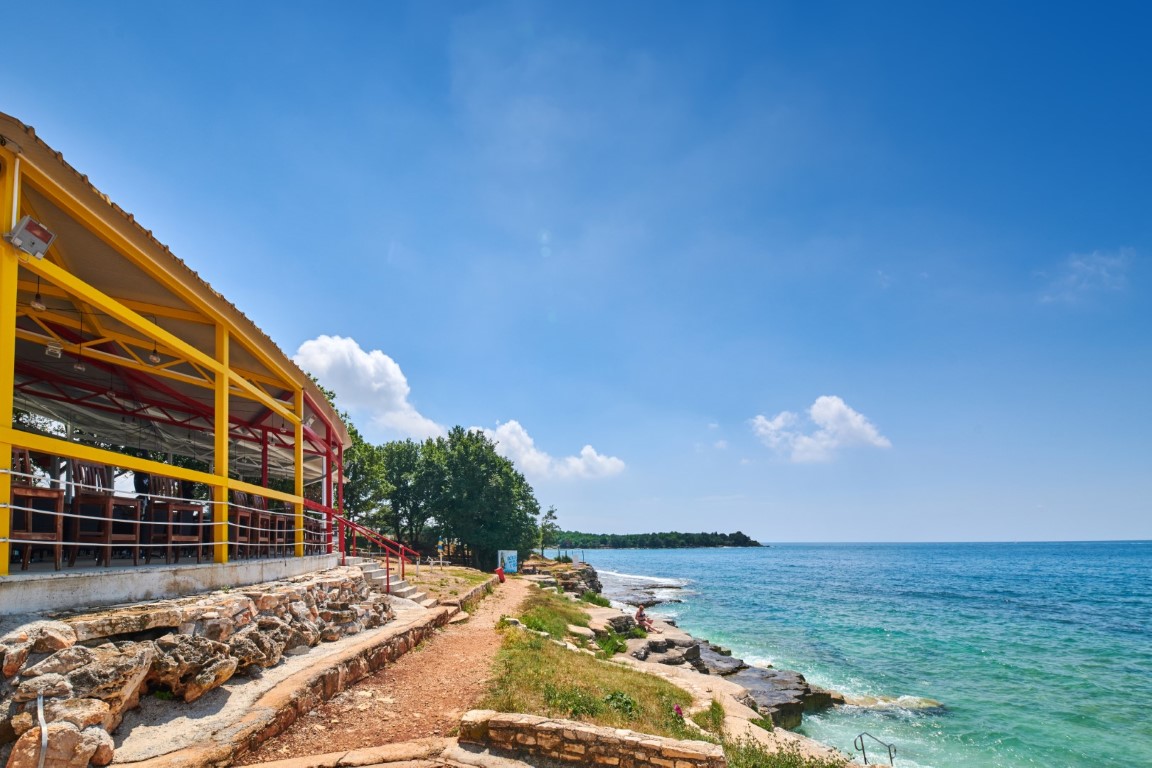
point(220, 463)
point(299, 505)
point(9, 269)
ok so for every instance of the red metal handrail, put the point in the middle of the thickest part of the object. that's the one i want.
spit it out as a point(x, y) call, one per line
point(391, 548)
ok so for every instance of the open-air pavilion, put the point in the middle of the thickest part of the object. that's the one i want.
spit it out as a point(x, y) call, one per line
point(119, 363)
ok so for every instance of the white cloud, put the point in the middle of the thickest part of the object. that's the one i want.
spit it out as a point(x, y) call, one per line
point(1084, 275)
point(368, 384)
point(514, 443)
point(835, 426)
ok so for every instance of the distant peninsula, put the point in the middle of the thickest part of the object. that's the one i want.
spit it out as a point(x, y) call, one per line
point(668, 540)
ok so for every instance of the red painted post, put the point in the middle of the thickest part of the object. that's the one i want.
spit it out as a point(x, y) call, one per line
point(388, 571)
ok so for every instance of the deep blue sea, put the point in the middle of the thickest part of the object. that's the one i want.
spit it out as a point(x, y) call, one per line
point(1040, 654)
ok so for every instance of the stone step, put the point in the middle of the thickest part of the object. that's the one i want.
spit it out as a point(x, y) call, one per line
point(406, 590)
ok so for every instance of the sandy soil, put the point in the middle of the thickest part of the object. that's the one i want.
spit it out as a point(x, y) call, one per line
point(423, 694)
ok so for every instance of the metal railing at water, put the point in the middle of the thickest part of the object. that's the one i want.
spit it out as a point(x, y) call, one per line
point(858, 743)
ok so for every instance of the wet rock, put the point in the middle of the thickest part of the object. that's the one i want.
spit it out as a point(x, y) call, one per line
point(781, 694)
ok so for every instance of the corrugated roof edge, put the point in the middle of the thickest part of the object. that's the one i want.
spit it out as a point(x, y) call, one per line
point(239, 317)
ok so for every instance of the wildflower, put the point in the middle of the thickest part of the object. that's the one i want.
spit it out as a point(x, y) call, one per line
point(679, 712)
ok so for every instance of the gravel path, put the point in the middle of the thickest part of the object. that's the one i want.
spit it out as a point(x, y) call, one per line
point(422, 694)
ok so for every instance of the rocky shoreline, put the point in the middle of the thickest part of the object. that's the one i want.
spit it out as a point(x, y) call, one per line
point(779, 694)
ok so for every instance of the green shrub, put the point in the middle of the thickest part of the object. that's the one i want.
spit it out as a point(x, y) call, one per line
point(563, 559)
point(749, 753)
point(591, 597)
point(622, 703)
point(711, 719)
point(611, 643)
point(763, 722)
point(572, 701)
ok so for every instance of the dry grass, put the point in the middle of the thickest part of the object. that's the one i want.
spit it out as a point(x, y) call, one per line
point(444, 583)
point(537, 676)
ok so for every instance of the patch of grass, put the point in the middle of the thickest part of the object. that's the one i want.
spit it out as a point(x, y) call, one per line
point(545, 611)
point(591, 597)
point(622, 703)
point(572, 701)
point(763, 722)
point(749, 753)
point(637, 632)
point(611, 643)
point(711, 719)
point(535, 676)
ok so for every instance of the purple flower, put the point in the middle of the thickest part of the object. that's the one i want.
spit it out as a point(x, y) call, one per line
point(679, 712)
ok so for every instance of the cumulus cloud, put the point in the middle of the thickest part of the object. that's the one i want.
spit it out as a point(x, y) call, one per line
point(834, 425)
point(367, 384)
point(1085, 275)
point(514, 443)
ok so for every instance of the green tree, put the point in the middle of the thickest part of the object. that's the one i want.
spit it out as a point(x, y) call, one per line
point(487, 504)
point(415, 474)
point(366, 486)
point(549, 530)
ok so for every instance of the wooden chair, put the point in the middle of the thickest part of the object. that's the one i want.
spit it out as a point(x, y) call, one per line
point(313, 535)
point(240, 533)
point(100, 516)
point(171, 522)
point(31, 523)
point(283, 531)
point(263, 526)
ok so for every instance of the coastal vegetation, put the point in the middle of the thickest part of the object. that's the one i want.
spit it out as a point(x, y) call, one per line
point(537, 675)
point(665, 540)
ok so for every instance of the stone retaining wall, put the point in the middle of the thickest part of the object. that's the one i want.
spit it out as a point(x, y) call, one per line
point(94, 666)
point(571, 742)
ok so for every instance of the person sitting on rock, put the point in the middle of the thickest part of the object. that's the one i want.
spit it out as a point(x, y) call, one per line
point(644, 622)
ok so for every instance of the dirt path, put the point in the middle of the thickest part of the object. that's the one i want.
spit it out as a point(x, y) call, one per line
point(423, 694)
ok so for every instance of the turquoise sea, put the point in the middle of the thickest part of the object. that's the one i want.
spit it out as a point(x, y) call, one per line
point(1040, 653)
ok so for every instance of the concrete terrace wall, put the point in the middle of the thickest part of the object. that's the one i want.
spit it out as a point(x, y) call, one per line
point(571, 742)
point(72, 590)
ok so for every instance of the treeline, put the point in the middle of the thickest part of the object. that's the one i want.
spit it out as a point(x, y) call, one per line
point(667, 540)
point(453, 489)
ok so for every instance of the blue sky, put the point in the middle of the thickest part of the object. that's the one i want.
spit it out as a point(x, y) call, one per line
point(814, 271)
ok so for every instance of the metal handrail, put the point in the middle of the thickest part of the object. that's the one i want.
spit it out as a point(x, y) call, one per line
point(390, 547)
point(858, 743)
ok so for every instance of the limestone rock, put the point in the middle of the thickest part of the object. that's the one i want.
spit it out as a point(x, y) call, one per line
point(720, 664)
point(104, 747)
point(82, 713)
point(51, 636)
point(67, 747)
point(62, 662)
point(116, 676)
point(190, 666)
point(781, 694)
point(51, 685)
point(15, 654)
point(124, 621)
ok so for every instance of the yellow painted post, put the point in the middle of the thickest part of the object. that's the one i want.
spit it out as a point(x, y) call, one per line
point(9, 272)
point(299, 504)
point(220, 463)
